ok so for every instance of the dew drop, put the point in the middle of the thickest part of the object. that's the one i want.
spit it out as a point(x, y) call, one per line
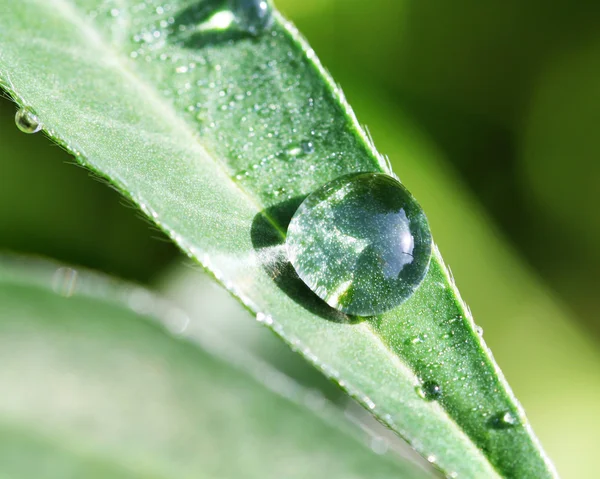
point(252, 16)
point(361, 243)
point(64, 281)
point(298, 150)
point(27, 121)
point(429, 390)
point(503, 420)
point(416, 339)
point(307, 147)
point(379, 445)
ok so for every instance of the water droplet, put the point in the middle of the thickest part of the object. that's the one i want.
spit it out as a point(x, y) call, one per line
point(253, 16)
point(379, 445)
point(416, 339)
point(64, 281)
point(429, 390)
point(503, 420)
point(361, 243)
point(264, 318)
point(27, 121)
point(307, 147)
point(177, 321)
point(298, 150)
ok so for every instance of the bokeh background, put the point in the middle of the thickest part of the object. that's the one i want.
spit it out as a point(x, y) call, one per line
point(490, 114)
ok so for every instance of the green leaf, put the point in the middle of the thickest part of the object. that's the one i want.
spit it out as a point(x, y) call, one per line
point(94, 389)
point(201, 127)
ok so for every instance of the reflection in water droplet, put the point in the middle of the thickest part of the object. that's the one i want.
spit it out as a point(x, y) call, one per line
point(64, 281)
point(27, 121)
point(293, 152)
point(221, 20)
point(361, 243)
point(503, 420)
point(429, 390)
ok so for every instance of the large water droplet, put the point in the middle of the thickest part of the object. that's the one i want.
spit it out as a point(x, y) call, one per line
point(253, 16)
point(361, 243)
point(429, 390)
point(27, 121)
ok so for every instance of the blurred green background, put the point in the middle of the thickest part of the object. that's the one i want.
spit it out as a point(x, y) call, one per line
point(489, 113)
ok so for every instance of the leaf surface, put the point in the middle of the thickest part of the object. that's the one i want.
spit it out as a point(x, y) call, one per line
point(218, 134)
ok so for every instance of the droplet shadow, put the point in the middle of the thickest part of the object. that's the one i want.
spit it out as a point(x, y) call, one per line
point(184, 29)
point(265, 235)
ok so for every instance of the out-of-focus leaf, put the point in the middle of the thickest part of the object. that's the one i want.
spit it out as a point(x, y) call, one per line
point(95, 385)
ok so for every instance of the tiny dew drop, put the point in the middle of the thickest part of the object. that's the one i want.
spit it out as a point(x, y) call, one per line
point(361, 243)
point(429, 390)
point(252, 16)
point(504, 420)
point(307, 147)
point(27, 121)
point(64, 281)
point(298, 150)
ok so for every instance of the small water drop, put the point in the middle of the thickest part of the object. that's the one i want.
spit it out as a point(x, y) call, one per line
point(64, 281)
point(298, 150)
point(379, 445)
point(264, 318)
point(253, 16)
point(429, 390)
point(503, 420)
point(27, 121)
point(279, 192)
point(416, 339)
point(361, 243)
point(307, 147)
